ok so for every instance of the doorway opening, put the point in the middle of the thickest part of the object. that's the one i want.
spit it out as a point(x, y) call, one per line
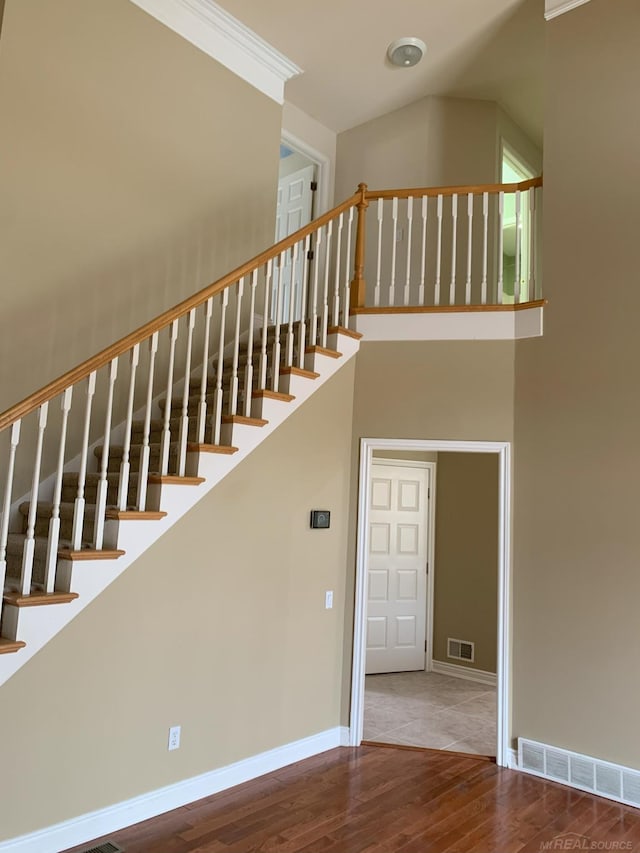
point(516, 227)
point(394, 609)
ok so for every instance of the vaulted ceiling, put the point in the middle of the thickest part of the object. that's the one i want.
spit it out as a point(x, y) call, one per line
point(487, 49)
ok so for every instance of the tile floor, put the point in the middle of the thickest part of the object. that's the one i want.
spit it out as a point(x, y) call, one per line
point(429, 709)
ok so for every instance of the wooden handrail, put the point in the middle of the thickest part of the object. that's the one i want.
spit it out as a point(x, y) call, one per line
point(462, 190)
point(77, 374)
point(360, 199)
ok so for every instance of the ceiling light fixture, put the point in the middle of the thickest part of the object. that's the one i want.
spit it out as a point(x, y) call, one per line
point(406, 52)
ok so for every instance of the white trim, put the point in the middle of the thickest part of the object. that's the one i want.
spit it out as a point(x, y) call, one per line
point(503, 679)
point(553, 8)
point(103, 821)
point(226, 39)
point(322, 162)
point(466, 672)
point(452, 325)
point(512, 759)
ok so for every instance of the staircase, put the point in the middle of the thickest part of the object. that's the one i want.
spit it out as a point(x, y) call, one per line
point(96, 466)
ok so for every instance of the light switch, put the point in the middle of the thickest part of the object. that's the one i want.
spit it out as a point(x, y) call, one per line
point(328, 599)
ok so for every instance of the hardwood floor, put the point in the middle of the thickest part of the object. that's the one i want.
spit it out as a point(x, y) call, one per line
point(388, 800)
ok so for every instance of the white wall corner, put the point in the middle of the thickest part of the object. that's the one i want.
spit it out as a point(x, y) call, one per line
point(553, 8)
point(226, 39)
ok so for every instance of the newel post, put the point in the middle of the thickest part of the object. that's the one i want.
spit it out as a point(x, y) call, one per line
point(358, 286)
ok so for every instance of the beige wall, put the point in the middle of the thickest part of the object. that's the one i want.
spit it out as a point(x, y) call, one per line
point(466, 556)
point(220, 627)
point(434, 390)
point(131, 175)
point(577, 465)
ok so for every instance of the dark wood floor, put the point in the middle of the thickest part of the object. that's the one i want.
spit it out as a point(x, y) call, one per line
point(385, 800)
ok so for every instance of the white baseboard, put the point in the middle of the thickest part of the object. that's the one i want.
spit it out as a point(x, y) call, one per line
point(466, 672)
point(512, 759)
point(104, 821)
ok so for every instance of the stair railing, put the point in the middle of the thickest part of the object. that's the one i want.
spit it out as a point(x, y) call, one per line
point(175, 382)
point(91, 438)
point(448, 247)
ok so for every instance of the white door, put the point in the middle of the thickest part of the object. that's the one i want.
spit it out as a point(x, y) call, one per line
point(293, 211)
point(397, 568)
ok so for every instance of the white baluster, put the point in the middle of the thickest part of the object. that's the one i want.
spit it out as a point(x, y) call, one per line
point(407, 284)
point(183, 433)
point(275, 359)
point(467, 293)
point(302, 334)
point(233, 397)
point(516, 279)
point(454, 248)
point(314, 296)
point(436, 295)
point(202, 404)
point(125, 465)
point(248, 371)
point(292, 291)
point(218, 397)
point(103, 482)
point(78, 509)
point(394, 248)
point(531, 294)
point(54, 521)
point(165, 442)
point(485, 244)
point(325, 290)
point(500, 247)
point(347, 272)
point(265, 325)
point(28, 551)
point(376, 293)
point(6, 506)
point(336, 288)
point(143, 475)
point(423, 257)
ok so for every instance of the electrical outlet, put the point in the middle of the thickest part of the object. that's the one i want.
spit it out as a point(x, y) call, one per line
point(328, 599)
point(174, 738)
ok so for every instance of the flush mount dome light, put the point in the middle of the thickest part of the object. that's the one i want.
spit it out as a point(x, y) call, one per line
point(406, 52)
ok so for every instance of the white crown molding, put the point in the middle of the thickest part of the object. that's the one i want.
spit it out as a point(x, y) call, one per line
point(111, 819)
point(227, 40)
point(553, 8)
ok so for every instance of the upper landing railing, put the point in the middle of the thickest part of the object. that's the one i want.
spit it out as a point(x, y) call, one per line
point(447, 247)
point(128, 411)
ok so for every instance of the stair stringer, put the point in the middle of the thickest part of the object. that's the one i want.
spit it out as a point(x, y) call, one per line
point(37, 625)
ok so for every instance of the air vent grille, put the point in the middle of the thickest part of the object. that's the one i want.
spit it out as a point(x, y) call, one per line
point(580, 771)
point(460, 650)
point(105, 847)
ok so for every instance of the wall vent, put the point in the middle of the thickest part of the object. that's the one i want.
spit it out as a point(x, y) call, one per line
point(580, 771)
point(105, 847)
point(460, 650)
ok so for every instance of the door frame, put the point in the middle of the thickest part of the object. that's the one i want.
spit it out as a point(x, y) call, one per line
point(323, 169)
point(503, 670)
point(430, 522)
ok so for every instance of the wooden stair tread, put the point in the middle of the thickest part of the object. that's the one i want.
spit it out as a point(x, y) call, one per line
point(9, 646)
point(299, 371)
point(135, 515)
point(273, 395)
point(90, 554)
point(38, 599)
point(175, 480)
point(225, 449)
point(342, 330)
point(242, 419)
point(332, 353)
